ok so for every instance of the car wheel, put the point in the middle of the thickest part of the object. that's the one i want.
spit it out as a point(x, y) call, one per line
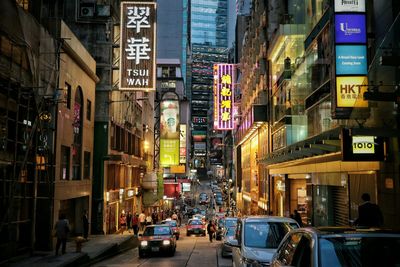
point(177, 237)
point(172, 253)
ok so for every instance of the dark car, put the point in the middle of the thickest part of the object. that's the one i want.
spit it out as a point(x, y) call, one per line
point(195, 227)
point(174, 226)
point(157, 239)
point(338, 246)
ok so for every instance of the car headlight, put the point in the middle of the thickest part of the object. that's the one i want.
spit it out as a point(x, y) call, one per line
point(144, 243)
point(166, 242)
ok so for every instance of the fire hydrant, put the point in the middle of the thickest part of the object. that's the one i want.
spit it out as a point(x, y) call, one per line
point(78, 241)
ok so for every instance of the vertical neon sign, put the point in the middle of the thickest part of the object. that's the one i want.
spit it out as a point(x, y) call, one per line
point(224, 79)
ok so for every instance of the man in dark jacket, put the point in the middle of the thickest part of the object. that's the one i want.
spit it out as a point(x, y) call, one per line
point(369, 214)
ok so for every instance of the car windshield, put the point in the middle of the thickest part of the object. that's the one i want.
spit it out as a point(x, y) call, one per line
point(230, 231)
point(230, 223)
point(195, 222)
point(360, 251)
point(265, 235)
point(172, 223)
point(159, 230)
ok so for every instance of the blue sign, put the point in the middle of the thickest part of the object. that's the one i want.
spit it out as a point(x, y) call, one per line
point(350, 28)
point(351, 59)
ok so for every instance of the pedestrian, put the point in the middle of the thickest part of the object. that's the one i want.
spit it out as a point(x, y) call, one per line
point(122, 223)
point(297, 218)
point(154, 217)
point(369, 214)
point(211, 230)
point(85, 222)
point(129, 221)
point(62, 230)
point(149, 220)
point(142, 220)
point(135, 224)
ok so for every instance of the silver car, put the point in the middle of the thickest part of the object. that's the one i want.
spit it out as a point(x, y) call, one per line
point(227, 237)
point(339, 247)
point(257, 238)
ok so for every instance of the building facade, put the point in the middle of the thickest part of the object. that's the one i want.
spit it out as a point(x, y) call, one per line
point(309, 155)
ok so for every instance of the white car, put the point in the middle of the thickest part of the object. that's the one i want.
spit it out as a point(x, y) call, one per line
point(257, 238)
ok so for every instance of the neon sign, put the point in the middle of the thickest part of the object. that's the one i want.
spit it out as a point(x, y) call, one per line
point(224, 78)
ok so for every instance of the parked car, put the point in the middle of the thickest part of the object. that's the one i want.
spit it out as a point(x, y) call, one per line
point(227, 237)
point(224, 223)
point(157, 239)
point(195, 227)
point(174, 226)
point(338, 246)
point(257, 238)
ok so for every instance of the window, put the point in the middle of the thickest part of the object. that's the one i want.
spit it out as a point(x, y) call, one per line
point(88, 110)
point(65, 161)
point(86, 165)
point(68, 95)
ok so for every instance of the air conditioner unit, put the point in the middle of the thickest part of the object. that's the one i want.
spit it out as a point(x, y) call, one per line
point(87, 11)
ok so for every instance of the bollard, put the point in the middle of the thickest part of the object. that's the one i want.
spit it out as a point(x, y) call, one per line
point(78, 241)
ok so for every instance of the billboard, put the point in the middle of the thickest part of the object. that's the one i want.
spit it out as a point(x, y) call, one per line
point(169, 124)
point(351, 59)
point(350, 90)
point(357, 147)
point(182, 144)
point(138, 46)
point(224, 80)
point(350, 28)
point(349, 5)
point(169, 152)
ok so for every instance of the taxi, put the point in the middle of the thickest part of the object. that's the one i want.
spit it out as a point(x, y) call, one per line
point(195, 227)
point(157, 239)
point(174, 226)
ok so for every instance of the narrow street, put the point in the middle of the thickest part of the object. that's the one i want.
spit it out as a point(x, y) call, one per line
point(191, 251)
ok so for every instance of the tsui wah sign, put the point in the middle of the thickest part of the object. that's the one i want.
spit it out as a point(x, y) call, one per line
point(138, 46)
point(224, 77)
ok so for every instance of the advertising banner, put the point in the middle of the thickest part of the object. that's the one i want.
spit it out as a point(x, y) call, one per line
point(351, 59)
point(350, 90)
point(169, 152)
point(349, 5)
point(350, 28)
point(224, 80)
point(182, 144)
point(138, 46)
point(169, 124)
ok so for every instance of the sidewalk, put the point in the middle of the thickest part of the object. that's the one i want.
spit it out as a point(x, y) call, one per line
point(97, 248)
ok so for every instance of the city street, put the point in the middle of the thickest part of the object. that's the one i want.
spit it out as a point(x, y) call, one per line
point(191, 251)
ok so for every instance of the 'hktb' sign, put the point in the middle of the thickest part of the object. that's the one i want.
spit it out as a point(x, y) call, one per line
point(138, 46)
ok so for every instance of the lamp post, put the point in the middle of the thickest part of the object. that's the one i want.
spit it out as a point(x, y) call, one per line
point(229, 195)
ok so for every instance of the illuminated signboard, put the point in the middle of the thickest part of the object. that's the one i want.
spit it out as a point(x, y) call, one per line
point(351, 59)
point(169, 152)
point(350, 90)
point(199, 120)
point(138, 46)
point(224, 79)
point(363, 144)
point(169, 124)
point(349, 5)
point(350, 28)
point(182, 144)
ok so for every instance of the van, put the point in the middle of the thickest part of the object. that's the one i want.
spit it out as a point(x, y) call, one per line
point(257, 238)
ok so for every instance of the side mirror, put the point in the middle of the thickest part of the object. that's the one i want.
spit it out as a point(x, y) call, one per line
point(233, 243)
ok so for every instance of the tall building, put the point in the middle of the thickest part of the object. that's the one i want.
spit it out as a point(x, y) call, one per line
point(209, 43)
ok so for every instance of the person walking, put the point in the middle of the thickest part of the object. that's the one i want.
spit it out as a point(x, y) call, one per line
point(129, 221)
point(62, 230)
point(122, 223)
point(369, 214)
point(297, 218)
point(85, 222)
point(135, 224)
point(211, 230)
point(142, 220)
point(149, 220)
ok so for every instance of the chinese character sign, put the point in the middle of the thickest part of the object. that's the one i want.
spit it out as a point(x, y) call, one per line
point(224, 78)
point(138, 46)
